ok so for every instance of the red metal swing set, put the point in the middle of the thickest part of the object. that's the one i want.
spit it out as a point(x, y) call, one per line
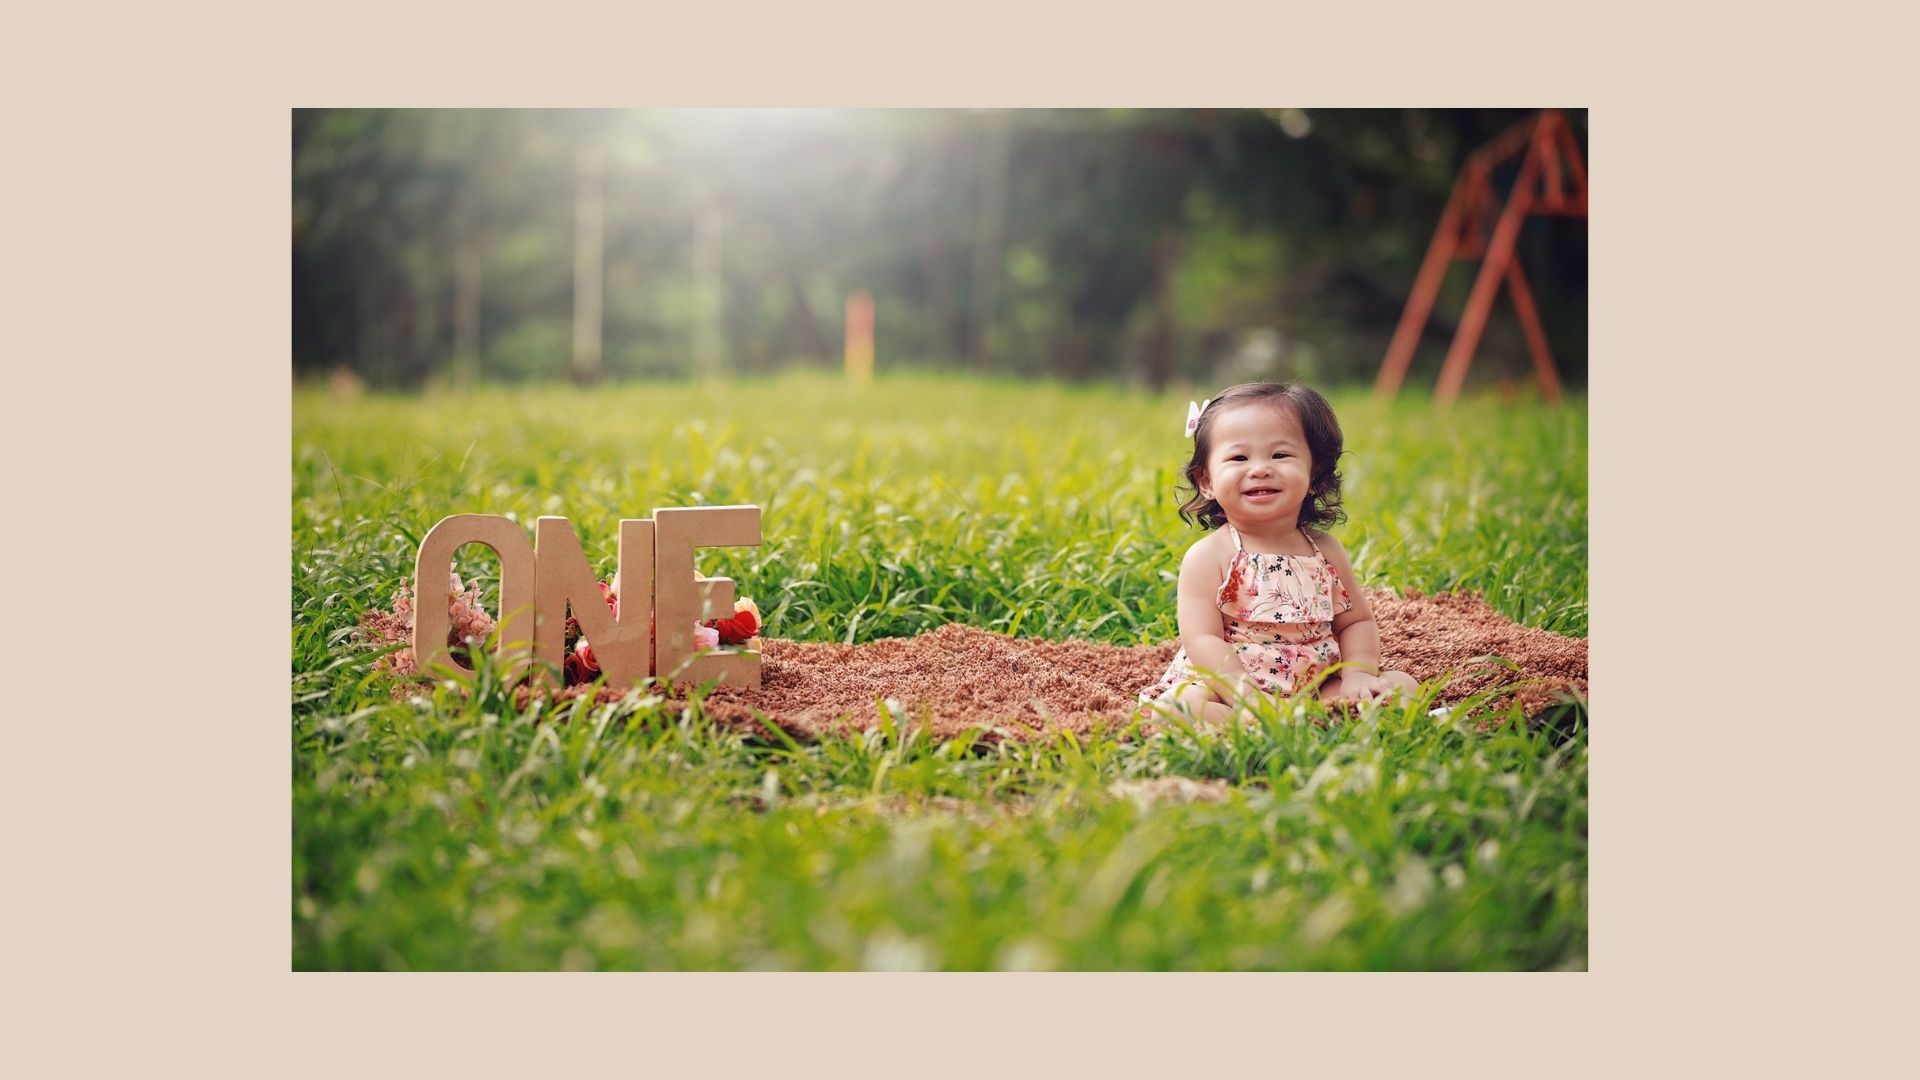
point(1552, 182)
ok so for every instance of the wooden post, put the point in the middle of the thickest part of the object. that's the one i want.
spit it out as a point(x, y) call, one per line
point(1426, 286)
point(1492, 271)
point(1536, 334)
point(860, 335)
point(1564, 147)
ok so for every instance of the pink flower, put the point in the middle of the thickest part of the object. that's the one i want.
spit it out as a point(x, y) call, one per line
point(705, 637)
point(465, 617)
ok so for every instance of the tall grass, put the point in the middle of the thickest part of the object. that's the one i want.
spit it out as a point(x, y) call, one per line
point(456, 831)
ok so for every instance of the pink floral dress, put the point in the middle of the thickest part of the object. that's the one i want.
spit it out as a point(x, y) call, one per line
point(1277, 611)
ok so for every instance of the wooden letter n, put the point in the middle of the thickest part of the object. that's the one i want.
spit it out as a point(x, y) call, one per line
point(563, 577)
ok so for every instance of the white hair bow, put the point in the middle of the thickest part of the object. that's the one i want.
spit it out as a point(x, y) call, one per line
point(1193, 415)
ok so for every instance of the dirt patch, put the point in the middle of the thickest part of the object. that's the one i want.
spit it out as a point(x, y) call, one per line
point(953, 678)
point(958, 677)
point(1430, 636)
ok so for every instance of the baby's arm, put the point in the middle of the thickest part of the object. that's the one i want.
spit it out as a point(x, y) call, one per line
point(1201, 631)
point(1355, 629)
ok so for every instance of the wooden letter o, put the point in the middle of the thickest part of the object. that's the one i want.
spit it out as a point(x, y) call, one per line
point(434, 565)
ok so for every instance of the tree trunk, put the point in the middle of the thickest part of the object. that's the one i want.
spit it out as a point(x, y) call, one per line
point(1085, 345)
point(709, 291)
point(426, 345)
point(466, 310)
point(369, 320)
point(812, 338)
point(939, 291)
point(589, 211)
point(989, 226)
point(1166, 259)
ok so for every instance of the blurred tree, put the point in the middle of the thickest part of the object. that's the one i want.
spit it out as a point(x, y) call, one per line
point(990, 221)
point(1139, 244)
point(589, 216)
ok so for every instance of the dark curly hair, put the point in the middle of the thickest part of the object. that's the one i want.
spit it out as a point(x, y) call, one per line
point(1324, 441)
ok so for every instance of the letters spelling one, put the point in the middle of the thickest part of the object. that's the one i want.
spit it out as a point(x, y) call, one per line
point(661, 597)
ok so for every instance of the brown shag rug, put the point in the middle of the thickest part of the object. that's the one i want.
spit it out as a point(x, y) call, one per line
point(960, 677)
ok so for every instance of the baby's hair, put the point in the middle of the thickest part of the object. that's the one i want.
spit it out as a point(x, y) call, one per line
point(1324, 441)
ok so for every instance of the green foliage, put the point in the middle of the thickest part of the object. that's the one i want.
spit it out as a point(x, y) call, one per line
point(1118, 243)
point(455, 830)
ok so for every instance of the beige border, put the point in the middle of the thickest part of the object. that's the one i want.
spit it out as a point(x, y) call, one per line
point(148, 795)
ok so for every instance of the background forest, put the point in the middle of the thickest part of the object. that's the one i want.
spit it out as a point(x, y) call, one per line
point(1142, 246)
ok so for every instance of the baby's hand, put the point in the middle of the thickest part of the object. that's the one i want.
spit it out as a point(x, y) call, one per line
point(1357, 686)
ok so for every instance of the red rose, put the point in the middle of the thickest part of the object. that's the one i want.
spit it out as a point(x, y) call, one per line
point(580, 665)
point(736, 630)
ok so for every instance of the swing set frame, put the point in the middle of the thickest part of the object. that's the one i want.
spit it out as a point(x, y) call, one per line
point(1552, 182)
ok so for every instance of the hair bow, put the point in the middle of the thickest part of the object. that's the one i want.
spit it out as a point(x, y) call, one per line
point(1193, 415)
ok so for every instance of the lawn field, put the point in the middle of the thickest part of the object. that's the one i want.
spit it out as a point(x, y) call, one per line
point(455, 831)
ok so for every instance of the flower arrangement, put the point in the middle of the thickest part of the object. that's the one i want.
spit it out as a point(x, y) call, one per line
point(470, 624)
point(743, 628)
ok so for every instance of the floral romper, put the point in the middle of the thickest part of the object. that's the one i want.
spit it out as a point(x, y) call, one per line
point(1277, 611)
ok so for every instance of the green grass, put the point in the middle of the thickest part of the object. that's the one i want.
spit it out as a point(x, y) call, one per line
point(455, 831)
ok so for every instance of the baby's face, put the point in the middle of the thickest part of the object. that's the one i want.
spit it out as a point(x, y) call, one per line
point(1259, 468)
